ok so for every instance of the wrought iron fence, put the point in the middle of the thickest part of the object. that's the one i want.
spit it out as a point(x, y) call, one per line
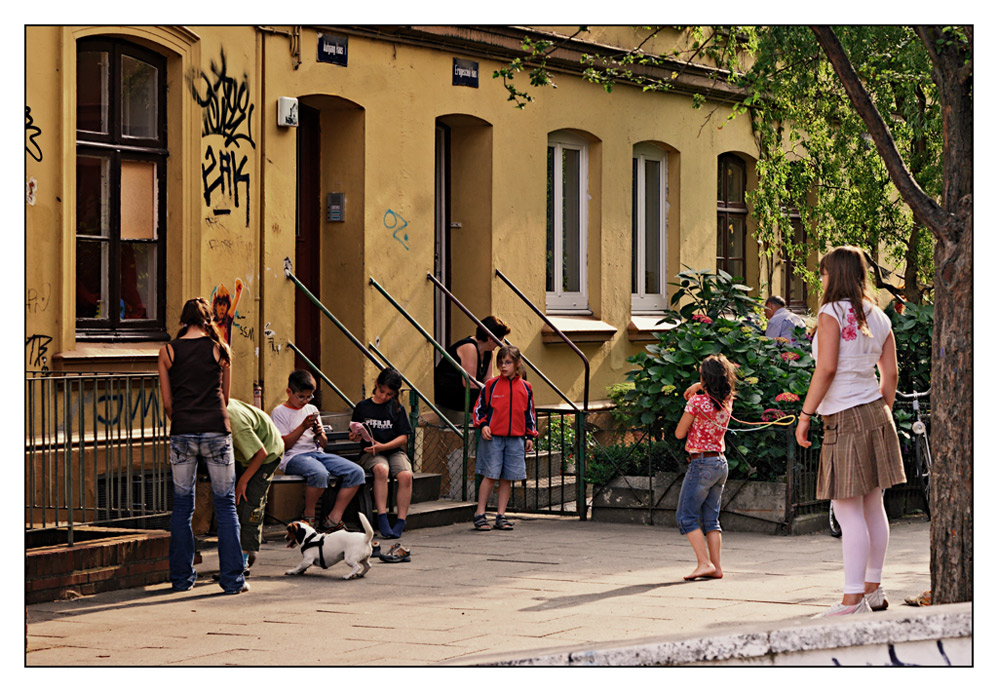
point(95, 450)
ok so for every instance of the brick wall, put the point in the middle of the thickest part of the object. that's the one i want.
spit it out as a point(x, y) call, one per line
point(122, 559)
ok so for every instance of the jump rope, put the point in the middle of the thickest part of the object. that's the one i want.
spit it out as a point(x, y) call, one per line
point(785, 420)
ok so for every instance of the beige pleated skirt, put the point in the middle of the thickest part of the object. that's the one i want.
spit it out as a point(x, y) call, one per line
point(859, 452)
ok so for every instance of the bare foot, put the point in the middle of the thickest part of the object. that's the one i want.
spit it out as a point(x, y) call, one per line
point(707, 571)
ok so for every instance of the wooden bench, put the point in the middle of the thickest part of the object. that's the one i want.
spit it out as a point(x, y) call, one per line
point(338, 444)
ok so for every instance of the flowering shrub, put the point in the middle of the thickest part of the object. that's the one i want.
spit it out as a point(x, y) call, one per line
point(703, 319)
point(764, 376)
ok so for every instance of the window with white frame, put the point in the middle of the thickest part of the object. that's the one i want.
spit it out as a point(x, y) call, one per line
point(567, 221)
point(649, 228)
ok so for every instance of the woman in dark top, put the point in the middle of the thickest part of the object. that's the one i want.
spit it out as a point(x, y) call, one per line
point(475, 356)
point(194, 377)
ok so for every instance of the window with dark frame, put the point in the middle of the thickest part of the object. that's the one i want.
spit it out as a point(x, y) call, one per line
point(121, 159)
point(732, 215)
point(794, 287)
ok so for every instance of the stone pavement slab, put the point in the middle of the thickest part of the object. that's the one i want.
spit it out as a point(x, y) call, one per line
point(467, 596)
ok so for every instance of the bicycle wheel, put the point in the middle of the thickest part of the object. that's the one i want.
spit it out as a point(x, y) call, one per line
point(833, 524)
point(923, 467)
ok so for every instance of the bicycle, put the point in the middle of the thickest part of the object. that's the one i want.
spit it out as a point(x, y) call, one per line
point(923, 452)
point(923, 459)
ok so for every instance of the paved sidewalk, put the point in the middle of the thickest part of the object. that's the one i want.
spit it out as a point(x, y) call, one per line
point(466, 597)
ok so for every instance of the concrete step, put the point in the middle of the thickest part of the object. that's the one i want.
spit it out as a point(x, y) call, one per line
point(543, 493)
point(439, 513)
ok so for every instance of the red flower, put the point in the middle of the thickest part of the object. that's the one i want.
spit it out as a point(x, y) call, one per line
point(787, 396)
point(790, 355)
point(703, 318)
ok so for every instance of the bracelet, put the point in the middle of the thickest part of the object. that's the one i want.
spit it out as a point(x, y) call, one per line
point(805, 413)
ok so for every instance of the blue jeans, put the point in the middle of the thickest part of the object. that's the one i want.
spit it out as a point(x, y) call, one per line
point(216, 450)
point(318, 466)
point(700, 496)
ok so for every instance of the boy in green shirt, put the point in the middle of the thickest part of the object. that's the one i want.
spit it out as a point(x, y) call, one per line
point(258, 449)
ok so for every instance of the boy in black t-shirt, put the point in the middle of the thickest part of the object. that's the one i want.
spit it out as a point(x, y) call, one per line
point(385, 421)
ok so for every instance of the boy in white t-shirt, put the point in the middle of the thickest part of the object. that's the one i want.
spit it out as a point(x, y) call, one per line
point(304, 441)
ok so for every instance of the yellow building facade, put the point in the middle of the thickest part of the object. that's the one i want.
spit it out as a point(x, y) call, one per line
point(164, 163)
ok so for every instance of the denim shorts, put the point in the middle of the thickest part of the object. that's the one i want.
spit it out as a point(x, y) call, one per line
point(501, 457)
point(700, 496)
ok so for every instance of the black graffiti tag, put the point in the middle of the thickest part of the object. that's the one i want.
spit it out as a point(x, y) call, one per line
point(225, 104)
point(30, 132)
point(226, 172)
point(37, 346)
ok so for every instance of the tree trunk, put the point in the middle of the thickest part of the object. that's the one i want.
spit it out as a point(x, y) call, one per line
point(952, 403)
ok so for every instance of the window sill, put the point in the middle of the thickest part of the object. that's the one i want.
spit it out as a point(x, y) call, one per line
point(136, 356)
point(642, 328)
point(579, 329)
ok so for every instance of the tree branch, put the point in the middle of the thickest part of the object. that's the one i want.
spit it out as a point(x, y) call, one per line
point(924, 208)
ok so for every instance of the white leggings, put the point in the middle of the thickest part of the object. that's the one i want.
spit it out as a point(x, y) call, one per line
point(865, 533)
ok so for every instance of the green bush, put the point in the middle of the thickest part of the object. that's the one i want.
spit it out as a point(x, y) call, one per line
point(606, 463)
point(767, 369)
point(913, 335)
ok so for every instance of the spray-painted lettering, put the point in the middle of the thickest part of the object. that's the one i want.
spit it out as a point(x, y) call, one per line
point(31, 131)
point(37, 300)
point(37, 348)
point(226, 118)
point(228, 175)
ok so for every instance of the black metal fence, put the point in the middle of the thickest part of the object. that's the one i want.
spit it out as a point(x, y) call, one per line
point(95, 450)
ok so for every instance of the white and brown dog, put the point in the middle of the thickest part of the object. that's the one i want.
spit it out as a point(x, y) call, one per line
point(326, 549)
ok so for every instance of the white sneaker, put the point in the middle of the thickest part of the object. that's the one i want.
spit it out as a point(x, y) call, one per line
point(839, 609)
point(877, 600)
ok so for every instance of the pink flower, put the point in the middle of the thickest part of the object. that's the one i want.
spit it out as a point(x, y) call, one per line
point(771, 414)
point(703, 318)
point(849, 333)
point(790, 355)
point(787, 396)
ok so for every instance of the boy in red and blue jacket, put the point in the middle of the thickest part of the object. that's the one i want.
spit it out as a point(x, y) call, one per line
point(505, 414)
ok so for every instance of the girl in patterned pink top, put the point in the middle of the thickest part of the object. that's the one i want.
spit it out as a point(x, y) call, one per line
point(704, 422)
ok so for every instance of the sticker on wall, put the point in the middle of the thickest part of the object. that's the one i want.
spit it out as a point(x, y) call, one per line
point(223, 308)
point(30, 188)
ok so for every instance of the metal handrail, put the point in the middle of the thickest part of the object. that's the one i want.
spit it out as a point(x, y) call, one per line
point(467, 383)
point(585, 396)
point(467, 377)
point(416, 390)
point(478, 322)
point(356, 342)
point(321, 374)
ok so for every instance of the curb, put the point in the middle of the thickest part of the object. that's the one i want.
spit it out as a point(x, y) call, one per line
point(933, 635)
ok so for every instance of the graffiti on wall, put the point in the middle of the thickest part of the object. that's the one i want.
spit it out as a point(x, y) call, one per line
point(37, 300)
point(31, 131)
point(395, 223)
point(223, 308)
point(37, 347)
point(226, 122)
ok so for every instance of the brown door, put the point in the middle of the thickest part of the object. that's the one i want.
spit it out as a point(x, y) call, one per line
point(307, 239)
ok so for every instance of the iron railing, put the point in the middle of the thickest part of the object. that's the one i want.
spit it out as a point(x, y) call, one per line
point(96, 450)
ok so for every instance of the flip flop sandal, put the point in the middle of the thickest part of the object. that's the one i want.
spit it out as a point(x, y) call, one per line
point(396, 554)
point(502, 523)
point(482, 523)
